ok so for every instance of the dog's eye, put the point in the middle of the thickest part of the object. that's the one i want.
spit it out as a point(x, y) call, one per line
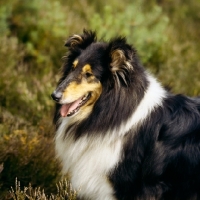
point(88, 74)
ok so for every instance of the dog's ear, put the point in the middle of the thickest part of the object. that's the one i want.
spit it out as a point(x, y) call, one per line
point(81, 41)
point(121, 55)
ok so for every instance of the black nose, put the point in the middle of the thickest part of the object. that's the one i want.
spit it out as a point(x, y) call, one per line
point(56, 96)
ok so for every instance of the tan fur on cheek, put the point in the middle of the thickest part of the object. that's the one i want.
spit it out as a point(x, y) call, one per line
point(87, 108)
point(71, 93)
point(75, 91)
point(96, 94)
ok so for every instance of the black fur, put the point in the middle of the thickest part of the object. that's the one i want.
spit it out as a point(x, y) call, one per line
point(161, 156)
point(163, 160)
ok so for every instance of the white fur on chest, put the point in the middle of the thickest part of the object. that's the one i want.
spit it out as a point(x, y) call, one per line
point(88, 163)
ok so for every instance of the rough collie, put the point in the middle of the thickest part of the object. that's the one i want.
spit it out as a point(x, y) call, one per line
point(119, 133)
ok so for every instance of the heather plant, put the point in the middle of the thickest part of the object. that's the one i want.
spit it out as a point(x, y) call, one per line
point(64, 192)
point(27, 153)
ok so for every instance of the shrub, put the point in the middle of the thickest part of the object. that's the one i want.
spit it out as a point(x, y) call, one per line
point(142, 28)
point(181, 67)
point(26, 153)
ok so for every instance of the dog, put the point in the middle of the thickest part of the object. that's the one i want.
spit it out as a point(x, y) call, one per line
point(120, 135)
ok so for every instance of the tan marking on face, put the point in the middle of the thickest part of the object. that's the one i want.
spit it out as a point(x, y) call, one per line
point(76, 90)
point(70, 92)
point(75, 63)
point(91, 79)
point(87, 68)
point(87, 108)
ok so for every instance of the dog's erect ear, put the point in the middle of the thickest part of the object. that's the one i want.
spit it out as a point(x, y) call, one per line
point(121, 55)
point(81, 41)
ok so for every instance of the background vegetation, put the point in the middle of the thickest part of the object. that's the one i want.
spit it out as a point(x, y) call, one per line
point(32, 34)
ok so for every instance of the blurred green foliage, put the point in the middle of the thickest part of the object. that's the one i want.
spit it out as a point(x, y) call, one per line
point(32, 34)
point(145, 30)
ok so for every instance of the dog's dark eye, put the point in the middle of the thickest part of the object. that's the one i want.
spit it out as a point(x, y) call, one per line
point(88, 74)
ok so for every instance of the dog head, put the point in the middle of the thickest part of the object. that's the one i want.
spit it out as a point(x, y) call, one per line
point(90, 69)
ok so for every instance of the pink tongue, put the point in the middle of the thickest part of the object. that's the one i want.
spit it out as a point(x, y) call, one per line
point(67, 108)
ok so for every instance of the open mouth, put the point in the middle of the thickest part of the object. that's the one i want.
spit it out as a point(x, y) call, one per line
point(67, 110)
